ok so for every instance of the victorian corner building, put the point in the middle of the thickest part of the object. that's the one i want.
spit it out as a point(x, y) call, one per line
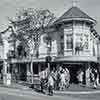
point(73, 46)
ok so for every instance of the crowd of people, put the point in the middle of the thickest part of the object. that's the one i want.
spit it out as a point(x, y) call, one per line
point(56, 79)
point(92, 77)
point(60, 79)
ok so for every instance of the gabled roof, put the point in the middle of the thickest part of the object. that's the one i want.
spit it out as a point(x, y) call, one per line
point(73, 13)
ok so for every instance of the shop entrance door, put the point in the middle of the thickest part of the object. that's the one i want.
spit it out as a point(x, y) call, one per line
point(23, 72)
point(73, 69)
point(73, 75)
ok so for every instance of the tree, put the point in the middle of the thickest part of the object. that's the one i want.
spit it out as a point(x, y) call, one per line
point(29, 24)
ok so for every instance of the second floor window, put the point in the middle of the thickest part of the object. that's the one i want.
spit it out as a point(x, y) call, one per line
point(69, 41)
point(78, 44)
point(86, 41)
point(79, 40)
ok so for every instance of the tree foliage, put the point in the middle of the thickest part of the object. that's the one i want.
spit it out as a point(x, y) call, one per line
point(29, 24)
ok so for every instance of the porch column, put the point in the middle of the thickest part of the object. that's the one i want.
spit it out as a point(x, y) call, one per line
point(28, 73)
point(48, 68)
point(39, 68)
point(27, 69)
point(19, 70)
point(74, 38)
point(4, 72)
point(32, 71)
point(5, 67)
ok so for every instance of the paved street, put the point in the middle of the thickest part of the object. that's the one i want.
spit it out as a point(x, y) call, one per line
point(17, 94)
point(86, 96)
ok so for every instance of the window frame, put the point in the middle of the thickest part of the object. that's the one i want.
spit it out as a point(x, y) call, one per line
point(69, 42)
point(86, 37)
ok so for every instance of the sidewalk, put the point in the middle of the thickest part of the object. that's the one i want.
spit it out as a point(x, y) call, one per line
point(15, 86)
point(73, 89)
point(78, 89)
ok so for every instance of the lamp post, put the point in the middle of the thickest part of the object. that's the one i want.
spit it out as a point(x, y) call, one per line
point(48, 60)
point(48, 57)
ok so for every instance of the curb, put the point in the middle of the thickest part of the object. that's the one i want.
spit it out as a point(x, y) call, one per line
point(76, 92)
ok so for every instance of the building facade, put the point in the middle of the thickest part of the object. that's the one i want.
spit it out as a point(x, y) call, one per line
point(72, 46)
point(2, 47)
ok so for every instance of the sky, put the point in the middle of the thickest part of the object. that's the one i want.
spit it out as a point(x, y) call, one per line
point(8, 8)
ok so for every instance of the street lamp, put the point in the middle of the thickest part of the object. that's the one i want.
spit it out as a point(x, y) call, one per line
point(48, 60)
point(48, 57)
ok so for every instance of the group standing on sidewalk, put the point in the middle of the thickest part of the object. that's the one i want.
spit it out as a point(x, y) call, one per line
point(95, 78)
point(60, 79)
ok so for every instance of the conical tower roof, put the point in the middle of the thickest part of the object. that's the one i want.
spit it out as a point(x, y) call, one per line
point(75, 13)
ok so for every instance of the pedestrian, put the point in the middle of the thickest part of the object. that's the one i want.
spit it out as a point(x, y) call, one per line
point(67, 77)
point(43, 77)
point(97, 80)
point(94, 78)
point(88, 71)
point(58, 80)
point(80, 77)
point(42, 85)
point(55, 81)
point(63, 80)
point(50, 84)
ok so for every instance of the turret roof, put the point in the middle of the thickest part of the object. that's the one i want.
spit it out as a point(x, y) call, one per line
point(72, 13)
